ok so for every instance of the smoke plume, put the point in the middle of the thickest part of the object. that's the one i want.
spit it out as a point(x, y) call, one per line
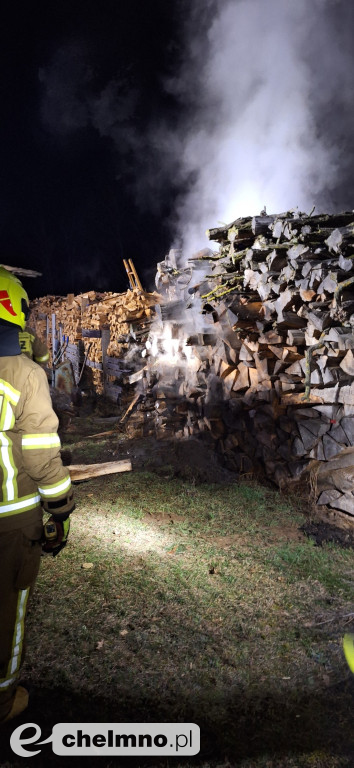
point(260, 113)
point(271, 86)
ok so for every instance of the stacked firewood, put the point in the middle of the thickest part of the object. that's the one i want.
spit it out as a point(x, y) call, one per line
point(93, 311)
point(273, 366)
point(251, 346)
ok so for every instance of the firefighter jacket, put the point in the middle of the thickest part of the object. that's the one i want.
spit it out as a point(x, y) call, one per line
point(31, 470)
point(32, 346)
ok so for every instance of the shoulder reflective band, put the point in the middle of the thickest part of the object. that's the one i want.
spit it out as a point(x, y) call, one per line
point(53, 491)
point(44, 440)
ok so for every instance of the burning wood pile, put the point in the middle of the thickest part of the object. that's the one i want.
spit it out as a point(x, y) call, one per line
point(249, 346)
point(269, 371)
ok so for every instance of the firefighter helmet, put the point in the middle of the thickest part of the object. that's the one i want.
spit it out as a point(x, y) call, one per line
point(14, 301)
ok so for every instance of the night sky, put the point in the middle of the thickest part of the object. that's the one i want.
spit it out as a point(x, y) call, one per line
point(71, 206)
point(128, 125)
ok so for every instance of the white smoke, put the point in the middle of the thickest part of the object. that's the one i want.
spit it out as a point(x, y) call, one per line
point(266, 118)
point(253, 137)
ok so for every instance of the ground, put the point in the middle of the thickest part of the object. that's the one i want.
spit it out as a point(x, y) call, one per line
point(186, 594)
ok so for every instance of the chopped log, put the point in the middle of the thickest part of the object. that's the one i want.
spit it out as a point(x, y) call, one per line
point(345, 503)
point(326, 497)
point(309, 439)
point(137, 376)
point(338, 434)
point(262, 367)
point(130, 407)
point(347, 364)
point(242, 380)
point(330, 447)
point(325, 394)
point(347, 424)
point(317, 452)
point(298, 447)
point(86, 471)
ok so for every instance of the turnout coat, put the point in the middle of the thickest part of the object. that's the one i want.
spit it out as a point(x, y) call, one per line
point(31, 476)
point(31, 470)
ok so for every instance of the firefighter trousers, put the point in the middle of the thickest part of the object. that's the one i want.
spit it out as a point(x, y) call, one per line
point(20, 553)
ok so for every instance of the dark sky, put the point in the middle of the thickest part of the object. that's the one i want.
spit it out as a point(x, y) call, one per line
point(80, 80)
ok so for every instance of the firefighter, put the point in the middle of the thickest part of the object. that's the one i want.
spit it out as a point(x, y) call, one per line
point(32, 346)
point(32, 477)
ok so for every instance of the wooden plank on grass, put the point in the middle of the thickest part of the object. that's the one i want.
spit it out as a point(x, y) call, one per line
point(85, 471)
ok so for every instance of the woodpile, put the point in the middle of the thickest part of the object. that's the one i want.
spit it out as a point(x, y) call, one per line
point(271, 371)
point(250, 346)
point(80, 320)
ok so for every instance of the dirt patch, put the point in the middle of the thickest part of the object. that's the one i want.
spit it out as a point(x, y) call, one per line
point(286, 532)
point(323, 533)
point(189, 459)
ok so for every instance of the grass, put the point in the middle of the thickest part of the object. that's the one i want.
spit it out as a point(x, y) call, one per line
point(203, 603)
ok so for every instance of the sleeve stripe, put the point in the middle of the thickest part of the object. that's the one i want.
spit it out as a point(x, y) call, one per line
point(57, 489)
point(49, 440)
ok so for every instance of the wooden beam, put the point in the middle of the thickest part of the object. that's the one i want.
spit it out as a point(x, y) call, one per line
point(85, 471)
point(21, 271)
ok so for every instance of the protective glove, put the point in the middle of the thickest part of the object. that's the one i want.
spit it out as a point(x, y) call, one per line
point(60, 509)
point(54, 544)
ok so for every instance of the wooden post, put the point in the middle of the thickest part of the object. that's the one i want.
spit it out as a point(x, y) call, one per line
point(104, 342)
point(54, 344)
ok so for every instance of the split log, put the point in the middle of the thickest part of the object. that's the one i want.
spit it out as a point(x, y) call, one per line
point(86, 471)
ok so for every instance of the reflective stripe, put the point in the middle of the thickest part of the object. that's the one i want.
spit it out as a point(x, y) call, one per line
point(56, 489)
point(42, 359)
point(10, 392)
point(17, 640)
point(6, 681)
point(9, 396)
point(7, 416)
point(20, 505)
point(9, 483)
point(44, 440)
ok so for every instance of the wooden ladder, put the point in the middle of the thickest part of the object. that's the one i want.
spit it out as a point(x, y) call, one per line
point(132, 274)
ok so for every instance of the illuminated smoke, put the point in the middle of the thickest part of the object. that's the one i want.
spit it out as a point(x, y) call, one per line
point(260, 85)
point(263, 113)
